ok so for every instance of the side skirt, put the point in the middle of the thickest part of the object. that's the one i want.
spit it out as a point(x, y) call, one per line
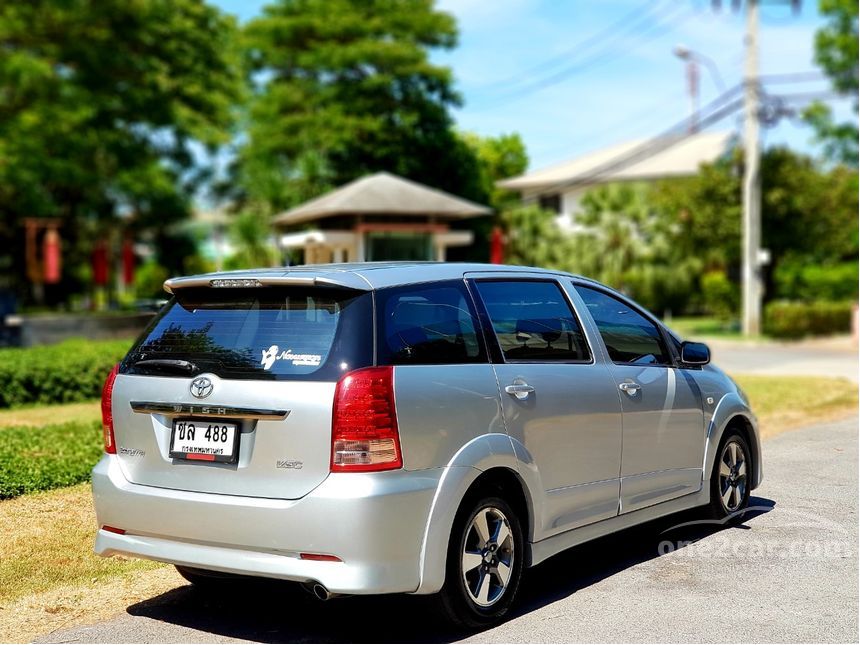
point(550, 546)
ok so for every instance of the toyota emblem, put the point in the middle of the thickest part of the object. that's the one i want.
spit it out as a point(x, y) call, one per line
point(201, 387)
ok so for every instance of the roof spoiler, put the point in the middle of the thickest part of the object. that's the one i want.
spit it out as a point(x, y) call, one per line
point(349, 281)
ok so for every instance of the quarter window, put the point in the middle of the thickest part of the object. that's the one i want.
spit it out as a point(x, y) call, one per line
point(428, 325)
point(533, 321)
point(630, 338)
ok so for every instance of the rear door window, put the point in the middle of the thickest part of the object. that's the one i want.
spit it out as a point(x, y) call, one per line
point(533, 321)
point(266, 333)
point(432, 324)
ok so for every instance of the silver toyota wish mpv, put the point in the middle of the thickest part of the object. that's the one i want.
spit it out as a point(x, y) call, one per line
point(408, 427)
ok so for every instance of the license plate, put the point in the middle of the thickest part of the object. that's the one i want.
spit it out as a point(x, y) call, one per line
point(202, 440)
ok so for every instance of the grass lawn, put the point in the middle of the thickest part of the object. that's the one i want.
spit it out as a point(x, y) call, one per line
point(47, 540)
point(698, 327)
point(43, 415)
point(49, 575)
point(783, 402)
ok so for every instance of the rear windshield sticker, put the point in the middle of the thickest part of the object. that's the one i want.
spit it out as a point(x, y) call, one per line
point(272, 354)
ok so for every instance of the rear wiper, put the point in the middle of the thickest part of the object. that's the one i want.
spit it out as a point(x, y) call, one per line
point(167, 364)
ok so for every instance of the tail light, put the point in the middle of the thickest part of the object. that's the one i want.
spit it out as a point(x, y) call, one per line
point(107, 412)
point(364, 422)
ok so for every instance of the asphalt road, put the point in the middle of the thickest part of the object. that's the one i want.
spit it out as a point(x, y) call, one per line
point(819, 357)
point(789, 573)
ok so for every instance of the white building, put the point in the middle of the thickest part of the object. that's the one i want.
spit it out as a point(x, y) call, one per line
point(560, 187)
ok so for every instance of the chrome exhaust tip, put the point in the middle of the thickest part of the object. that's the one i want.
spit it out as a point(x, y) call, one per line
point(319, 591)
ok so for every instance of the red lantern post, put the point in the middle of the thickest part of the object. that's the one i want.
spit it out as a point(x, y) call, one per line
point(497, 246)
point(100, 264)
point(127, 262)
point(52, 256)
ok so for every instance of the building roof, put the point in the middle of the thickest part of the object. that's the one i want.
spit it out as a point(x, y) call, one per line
point(383, 194)
point(633, 160)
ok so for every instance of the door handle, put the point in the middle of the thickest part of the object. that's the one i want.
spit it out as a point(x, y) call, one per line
point(520, 391)
point(629, 387)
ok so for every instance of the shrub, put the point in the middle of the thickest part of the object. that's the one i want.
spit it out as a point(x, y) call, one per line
point(806, 281)
point(70, 371)
point(34, 459)
point(721, 295)
point(786, 319)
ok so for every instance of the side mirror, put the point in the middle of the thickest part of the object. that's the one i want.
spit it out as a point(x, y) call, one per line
point(695, 353)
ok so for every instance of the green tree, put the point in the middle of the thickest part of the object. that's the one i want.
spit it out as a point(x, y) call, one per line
point(101, 105)
point(626, 243)
point(707, 210)
point(533, 238)
point(343, 88)
point(498, 158)
point(250, 234)
point(836, 52)
point(809, 217)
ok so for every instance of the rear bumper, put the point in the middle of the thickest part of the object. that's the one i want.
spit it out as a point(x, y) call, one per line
point(374, 522)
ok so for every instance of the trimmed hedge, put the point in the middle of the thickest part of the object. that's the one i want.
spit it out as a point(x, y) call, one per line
point(35, 459)
point(68, 372)
point(786, 319)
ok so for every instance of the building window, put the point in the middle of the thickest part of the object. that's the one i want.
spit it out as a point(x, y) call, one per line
point(551, 203)
point(398, 246)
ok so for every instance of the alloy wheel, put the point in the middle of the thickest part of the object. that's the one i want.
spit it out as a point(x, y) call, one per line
point(733, 476)
point(488, 556)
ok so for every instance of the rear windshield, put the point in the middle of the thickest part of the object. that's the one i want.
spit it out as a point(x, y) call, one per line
point(265, 333)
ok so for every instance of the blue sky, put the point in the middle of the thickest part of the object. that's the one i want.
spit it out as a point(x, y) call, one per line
point(537, 67)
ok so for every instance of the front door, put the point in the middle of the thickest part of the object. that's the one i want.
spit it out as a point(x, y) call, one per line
point(558, 401)
point(664, 431)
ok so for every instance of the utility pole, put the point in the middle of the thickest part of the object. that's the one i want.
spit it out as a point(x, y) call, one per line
point(751, 279)
point(693, 88)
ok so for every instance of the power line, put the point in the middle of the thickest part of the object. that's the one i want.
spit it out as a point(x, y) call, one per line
point(664, 25)
point(603, 57)
point(793, 77)
point(724, 105)
point(826, 95)
point(608, 32)
point(628, 124)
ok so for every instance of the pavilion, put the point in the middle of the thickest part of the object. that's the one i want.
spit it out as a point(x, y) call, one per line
point(377, 217)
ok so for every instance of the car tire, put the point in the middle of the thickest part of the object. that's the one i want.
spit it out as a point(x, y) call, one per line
point(730, 478)
point(482, 576)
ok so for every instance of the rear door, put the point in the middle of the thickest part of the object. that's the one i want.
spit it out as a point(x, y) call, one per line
point(559, 402)
point(263, 361)
point(663, 419)
point(445, 387)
